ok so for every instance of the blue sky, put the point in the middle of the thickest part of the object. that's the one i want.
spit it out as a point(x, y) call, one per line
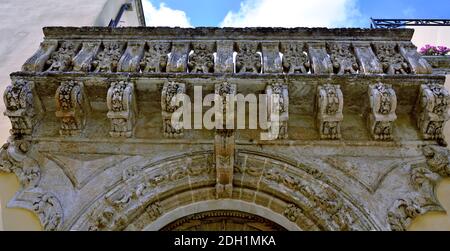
point(332, 13)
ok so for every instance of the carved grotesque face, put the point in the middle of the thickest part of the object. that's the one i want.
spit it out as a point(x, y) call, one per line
point(225, 89)
point(67, 46)
point(160, 47)
point(201, 47)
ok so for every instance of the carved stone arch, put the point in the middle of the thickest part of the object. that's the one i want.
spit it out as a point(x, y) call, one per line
point(297, 193)
point(231, 205)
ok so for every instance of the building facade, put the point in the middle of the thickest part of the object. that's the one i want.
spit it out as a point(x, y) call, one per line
point(355, 131)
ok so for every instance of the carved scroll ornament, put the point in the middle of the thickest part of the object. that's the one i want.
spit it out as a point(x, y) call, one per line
point(121, 101)
point(330, 103)
point(383, 103)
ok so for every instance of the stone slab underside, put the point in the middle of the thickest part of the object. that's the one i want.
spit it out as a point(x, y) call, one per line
point(360, 147)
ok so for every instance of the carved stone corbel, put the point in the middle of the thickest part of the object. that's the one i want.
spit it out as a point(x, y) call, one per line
point(71, 107)
point(121, 102)
point(248, 60)
point(424, 177)
point(329, 106)
point(45, 204)
point(438, 160)
point(224, 145)
point(61, 59)
point(367, 60)
point(14, 159)
point(82, 61)
point(320, 61)
point(418, 64)
point(169, 105)
point(202, 58)
point(381, 117)
point(295, 59)
point(107, 59)
point(342, 58)
point(390, 58)
point(432, 110)
point(49, 211)
point(131, 58)
point(277, 109)
point(224, 57)
point(155, 57)
point(23, 106)
point(401, 214)
point(271, 57)
point(36, 63)
point(178, 58)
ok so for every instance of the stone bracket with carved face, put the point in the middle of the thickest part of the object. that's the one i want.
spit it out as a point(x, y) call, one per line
point(72, 107)
point(381, 117)
point(432, 110)
point(171, 95)
point(121, 101)
point(23, 106)
point(329, 106)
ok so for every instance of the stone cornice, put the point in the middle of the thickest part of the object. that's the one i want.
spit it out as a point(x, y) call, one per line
point(213, 33)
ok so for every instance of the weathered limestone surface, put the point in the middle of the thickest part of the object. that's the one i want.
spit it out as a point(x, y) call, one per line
point(359, 146)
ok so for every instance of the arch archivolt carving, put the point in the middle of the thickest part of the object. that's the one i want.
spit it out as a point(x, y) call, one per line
point(292, 190)
point(299, 193)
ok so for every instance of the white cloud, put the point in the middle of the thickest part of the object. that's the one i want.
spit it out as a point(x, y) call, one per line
point(294, 13)
point(164, 16)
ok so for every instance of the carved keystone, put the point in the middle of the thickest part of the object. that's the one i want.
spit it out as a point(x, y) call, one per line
point(329, 106)
point(383, 103)
point(178, 58)
point(37, 62)
point(170, 102)
point(121, 102)
point(432, 110)
point(224, 146)
point(23, 106)
point(271, 57)
point(71, 107)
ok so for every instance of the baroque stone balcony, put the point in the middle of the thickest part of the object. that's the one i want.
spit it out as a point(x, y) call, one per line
point(360, 144)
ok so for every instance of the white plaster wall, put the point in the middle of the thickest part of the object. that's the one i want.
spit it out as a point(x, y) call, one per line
point(434, 35)
point(20, 35)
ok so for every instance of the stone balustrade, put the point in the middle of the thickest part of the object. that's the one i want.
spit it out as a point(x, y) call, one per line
point(360, 122)
point(258, 51)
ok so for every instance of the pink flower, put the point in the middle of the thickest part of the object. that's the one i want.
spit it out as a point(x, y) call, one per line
point(431, 50)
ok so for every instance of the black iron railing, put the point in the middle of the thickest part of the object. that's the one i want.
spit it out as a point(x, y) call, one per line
point(401, 23)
